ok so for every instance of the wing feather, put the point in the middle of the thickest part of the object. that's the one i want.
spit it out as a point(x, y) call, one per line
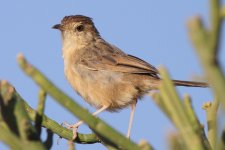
point(112, 58)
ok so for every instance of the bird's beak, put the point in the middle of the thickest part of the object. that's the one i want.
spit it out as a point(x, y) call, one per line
point(57, 26)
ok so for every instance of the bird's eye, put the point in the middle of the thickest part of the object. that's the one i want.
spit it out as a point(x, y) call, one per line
point(80, 28)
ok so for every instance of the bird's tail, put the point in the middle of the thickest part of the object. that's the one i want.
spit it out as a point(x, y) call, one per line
point(190, 83)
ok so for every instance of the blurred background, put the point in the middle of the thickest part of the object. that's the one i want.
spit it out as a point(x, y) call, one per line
point(155, 31)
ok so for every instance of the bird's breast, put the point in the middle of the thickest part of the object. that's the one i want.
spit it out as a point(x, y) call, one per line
point(100, 88)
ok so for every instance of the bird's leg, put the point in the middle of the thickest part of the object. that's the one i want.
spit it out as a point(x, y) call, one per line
point(75, 126)
point(133, 106)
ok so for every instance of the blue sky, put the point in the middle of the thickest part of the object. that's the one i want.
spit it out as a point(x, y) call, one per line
point(152, 30)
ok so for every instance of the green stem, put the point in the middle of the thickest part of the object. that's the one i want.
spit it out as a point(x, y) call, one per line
point(201, 42)
point(145, 145)
point(211, 113)
point(9, 138)
point(197, 127)
point(60, 130)
point(215, 27)
point(46, 122)
point(174, 142)
point(12, 103)
point(40, 110)
point(222, 12)
point(156, 96)
point(179, 114)
point(41, 101)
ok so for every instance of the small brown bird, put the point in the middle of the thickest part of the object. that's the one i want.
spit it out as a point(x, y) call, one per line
point(105, 76)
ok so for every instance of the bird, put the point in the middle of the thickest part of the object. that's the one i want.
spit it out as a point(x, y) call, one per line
point(102, 74)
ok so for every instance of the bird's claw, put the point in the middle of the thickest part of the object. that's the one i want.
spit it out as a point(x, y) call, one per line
point(74, 127)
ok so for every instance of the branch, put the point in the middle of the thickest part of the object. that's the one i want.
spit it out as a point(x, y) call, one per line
point(145, 145)
point(12, 103)
point(105, 132)
point(41, 101)
point(211, 109)
point(174, 141)
point(60, 130)
point(48, 123)
point(222, 12)
point(10, 138)
point(201, 41)
point(40, 110)
point(181, 114)
point(192, 117)
point(215, 27)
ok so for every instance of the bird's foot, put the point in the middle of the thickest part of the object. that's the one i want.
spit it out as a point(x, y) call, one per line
point(74, 127)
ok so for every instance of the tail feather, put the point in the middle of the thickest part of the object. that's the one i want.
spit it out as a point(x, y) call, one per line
point(190, 83)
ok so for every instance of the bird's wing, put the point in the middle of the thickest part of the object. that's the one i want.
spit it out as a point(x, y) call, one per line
point(112, 58)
